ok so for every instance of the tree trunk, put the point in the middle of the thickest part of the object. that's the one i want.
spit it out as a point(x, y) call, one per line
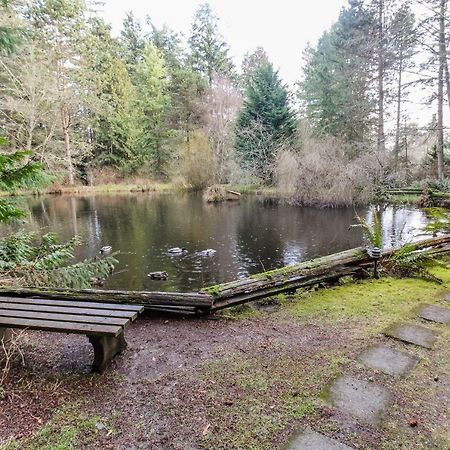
point(440, 111)
point(63, 110)
point(447, 78)
point(399, 109)
point(65, 123)
point(380, 131)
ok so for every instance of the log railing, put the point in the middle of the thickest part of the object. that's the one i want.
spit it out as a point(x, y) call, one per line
point(325, 269)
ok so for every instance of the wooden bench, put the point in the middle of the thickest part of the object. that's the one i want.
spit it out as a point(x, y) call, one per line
point(103, 323)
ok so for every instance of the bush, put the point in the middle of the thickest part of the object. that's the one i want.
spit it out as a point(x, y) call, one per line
point(197, 162)
point(325, 173)
point(215, 194)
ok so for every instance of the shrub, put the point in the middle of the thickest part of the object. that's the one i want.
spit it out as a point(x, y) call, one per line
point(197, 162)
point(326, 173)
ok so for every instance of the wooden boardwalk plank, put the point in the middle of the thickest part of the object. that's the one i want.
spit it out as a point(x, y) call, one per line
point(66, 310)
point(64, 317)
point(61, 327)
point(70, 303)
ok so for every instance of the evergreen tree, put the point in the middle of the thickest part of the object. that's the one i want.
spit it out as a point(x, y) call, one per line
point(169, 43)
point(403, 39)
point(133, 42)
point(9, 33)
point(154, 104)
point(265, 122)
point(336, 89)
point(251, 62)
point(209, 52)
point(58, 26)
point(111, 98)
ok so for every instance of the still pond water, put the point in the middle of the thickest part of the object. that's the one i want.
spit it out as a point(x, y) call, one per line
point(249, 236)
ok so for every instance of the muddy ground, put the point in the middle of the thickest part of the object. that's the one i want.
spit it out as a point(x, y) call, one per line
point(225, 383)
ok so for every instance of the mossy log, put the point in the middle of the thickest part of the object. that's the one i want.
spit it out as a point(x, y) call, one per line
point(304, 274)
point(325, 269)
point(155, 300)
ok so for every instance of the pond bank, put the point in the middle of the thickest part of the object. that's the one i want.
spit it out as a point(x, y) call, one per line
point(396, 197)
point(245, 381)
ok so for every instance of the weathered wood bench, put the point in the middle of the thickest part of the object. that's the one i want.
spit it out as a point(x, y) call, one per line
point(103, 323)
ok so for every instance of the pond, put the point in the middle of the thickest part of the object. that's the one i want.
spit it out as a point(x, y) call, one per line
point(248, 236)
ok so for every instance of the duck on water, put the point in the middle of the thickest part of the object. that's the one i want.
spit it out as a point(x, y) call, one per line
point(177, 251)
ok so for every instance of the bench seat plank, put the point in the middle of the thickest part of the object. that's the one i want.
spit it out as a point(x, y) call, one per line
point(64, 317)
point(70, 303)
point(131, 315)
point(61, 327)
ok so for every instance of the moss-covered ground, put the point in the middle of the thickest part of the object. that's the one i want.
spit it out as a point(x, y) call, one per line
point(245, 380)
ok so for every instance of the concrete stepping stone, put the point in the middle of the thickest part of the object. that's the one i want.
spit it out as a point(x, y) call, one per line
point(435, 313)
point(311, 440)
point(412, 334)
point(389, 360)
point(363, 400)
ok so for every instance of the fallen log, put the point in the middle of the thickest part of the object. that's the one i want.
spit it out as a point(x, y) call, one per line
point(148, 299)
point(304, 274)
point(325, 269)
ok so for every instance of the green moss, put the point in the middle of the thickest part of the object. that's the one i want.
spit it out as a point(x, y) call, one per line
point(212, 290)
point(240, 312)
point(378, 301)
point(405, 199)
point(66, 430)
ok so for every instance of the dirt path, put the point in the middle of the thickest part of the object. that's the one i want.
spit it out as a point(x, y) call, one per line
point(219, 384)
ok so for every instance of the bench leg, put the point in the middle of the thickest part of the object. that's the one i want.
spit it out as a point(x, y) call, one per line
point(5, 338)
point(105, 348)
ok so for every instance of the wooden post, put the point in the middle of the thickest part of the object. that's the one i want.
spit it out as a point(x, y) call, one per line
point(105, 348)
point(5, 337)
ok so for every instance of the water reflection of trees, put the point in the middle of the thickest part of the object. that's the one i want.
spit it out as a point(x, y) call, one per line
point(249, 237)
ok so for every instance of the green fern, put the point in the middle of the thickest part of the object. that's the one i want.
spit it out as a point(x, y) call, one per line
point(408, 261)
point(373, 230)
point(438, 220)
point(25, 262)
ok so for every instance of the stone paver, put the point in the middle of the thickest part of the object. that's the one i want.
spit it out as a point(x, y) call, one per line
point(389, 360)
point(412, 334)
point(435, 313)
point(361, 399)
point(310, 440)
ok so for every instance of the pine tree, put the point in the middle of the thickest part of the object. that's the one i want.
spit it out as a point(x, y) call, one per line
point(154, 101)
point(336, 89)
point(133, 42)
point(111, 98)
point(58, 26)
point(209, 52)
point(251, 62)
point(265, 122)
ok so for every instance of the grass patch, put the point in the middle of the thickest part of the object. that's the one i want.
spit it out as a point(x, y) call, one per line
point(267, 393)
point(405, 199)
point(379, 301)
point(68, 429)
point(98, 189)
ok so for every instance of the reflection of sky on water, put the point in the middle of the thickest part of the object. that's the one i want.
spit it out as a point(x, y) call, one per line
point(401, 225)
point(248, 237)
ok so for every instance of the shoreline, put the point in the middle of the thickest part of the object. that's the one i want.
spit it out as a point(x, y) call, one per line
point(270, 193)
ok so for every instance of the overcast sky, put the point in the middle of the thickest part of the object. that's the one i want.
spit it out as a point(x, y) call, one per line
point(282, 27)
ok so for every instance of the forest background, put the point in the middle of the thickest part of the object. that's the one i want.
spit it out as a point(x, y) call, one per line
point(151, 104)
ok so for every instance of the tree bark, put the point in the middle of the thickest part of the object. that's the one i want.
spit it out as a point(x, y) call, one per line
point(440, 111)
point(399, 108)
point(447, 77)
point(64, 112)
point(381, 56)
point(65, 124)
